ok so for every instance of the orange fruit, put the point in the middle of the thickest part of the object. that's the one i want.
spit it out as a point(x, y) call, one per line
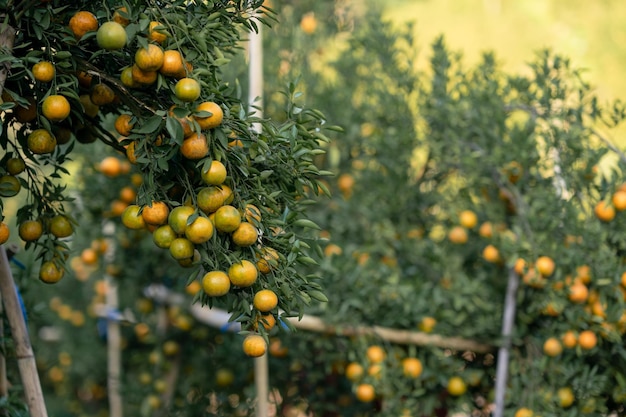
point(111, 36)
point(128, 194)
point(61, 226)
point(215, 283)
point(83, 22)
point(491, 254)
point(156, 33)
point(163, 236)
point(9, 186)
point(242, 273)
point(102, 94)
point(121, 16)
point(227, 219)
point(84, 79)
point(30, 230)
point(365, 393)
point(209, 199)
point(195, 146)
point(578, 292)
point(565, 396)
point(569, 339)
point(277, 349)
point(427, 324)
point(89, 107)
point(187, 89)
point(268, 321)
point(15, 166)
point(178, 218)
point(215, 174)
point(126, 77)
point(308, 23)
point(245, 235)
point(89, 256)
point(156, 214)
point(132, 219)
point(124, 124)
point(181, 248)
point(50, 272)
point(552, 347)
point(603, 211)
point(486, 230)
point(412, 367)
point(254, 345)
point(468, 219)
point(173, 64)
point(268, 259)
point(41, 142)
point(619, 200)
point(200, 230)
point(265, 300)
point(545, 266)
point(354, 371)
point(375, 354)
point(26, 114)
point(4, 233)
point(141, 77)
point(583, 274)
point(456, 386)
point(150, 58)
point(131, 156)
point(227, 192)
point(43, 71)
point(524, 412)
point(110, 166)
point(458, 235)
point(55, 108)
point(209, 121)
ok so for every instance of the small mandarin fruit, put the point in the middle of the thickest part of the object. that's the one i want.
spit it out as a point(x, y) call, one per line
point(44, 71)
point(83, 22)
point(491, 254)
point(524, 412)
point(545, 266)
point(132, 219)
point(50, 272)
point(40, 142)
point(149, 59)
point(215, 283)
point(61, 226)
point(215, 174)
point(187, 89)
point(89, 107)
point(265, 300)
point(619, 200)
point(163, 236)
point(243, 273)
point(458, 235)
point(578, 292)
point(552, 347)
point(178, 218)
point(55, 108)
point(110, 166)
point(468, 219)
point(209, 199)
point(111, 36)
point(268, 321)
point(209, 121)
point(102, 94)
point(354, 371)
point(9, 186)
point(227, 219)
point(123, 124)
point(569, 339)
point(375, 354)
point(456, 386)
point(121, 16)
point(268, 259)
point(254, 345)
point(200, 230)
point(173, 64)
point(195, 146)
point(30, 230)
point(4, 233)
point(156, 33)
point(245, 235)
point(15, 166)
point(156, 214)
point(412, 367)
point(603, 211)
point(181, 248)
point(365, 393)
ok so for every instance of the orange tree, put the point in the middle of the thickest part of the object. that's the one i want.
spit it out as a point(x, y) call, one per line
point(449, 180)
point(146, 80)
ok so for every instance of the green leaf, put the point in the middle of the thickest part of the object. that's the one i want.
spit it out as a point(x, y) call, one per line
point(151, 125)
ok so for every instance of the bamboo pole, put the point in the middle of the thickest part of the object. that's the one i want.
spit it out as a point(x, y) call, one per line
point(255, 74)
point(114, 363)
point(23, 349)
point(508, 321)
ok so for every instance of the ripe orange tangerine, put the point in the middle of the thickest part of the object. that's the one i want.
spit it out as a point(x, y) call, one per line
point(604, 211)
point(173, 64)
point(587, 339)
point(110, 166)
point(5, 233)
point(195, 147)
point(156, 32)
point(458, 235)
point(254, 345)
point(412, 367)
point(61, 226)
point(265, 300)
point(619, 200)
point(149, 59)
point(365, 393)
point(156, 214)
point(200, 230)
point(209, 199)
point(375, 354)
point(468, 219)
point(209, 121)
point(215, 174)
point(102, 94)
point(124, 124)
point(30, 230)
point(227, 219)
point(243, 273)
point(55, 108)
point(545, 266)
point(215, 283)
point(141, 77)
point(456, 386)
point(245, 235)
point(354, 371)
point(44, 71)
point(187, 89)
point(552, 347)
point(132, 219)
point(83, 22)
point(50, 272)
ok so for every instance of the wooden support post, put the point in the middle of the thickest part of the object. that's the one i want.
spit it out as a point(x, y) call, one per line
point(23, 349)
point(508, 321)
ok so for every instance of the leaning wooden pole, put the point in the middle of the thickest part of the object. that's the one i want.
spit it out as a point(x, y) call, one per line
point(255, 100)
point(508, 321)
point(23, 349)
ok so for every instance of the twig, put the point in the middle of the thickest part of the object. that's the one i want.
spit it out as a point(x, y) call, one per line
point(610, 145)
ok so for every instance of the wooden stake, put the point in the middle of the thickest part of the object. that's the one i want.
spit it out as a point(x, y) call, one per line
point(508, 321)
point(23, 349)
